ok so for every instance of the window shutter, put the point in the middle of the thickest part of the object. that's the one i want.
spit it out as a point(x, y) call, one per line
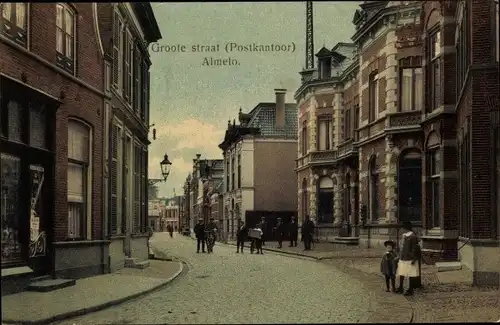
point(137, 189)
point(144, 218)
point(137, 75)
point(130, 74)
point(148, 91)
point(116, 48)
point(124, 185)
point(145, 90)
point(113, 220)
point(126, 65)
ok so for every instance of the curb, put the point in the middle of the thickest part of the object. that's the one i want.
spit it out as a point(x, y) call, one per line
point(285, 252)
point(84, 311)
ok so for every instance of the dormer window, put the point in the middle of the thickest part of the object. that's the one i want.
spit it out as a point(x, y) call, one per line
point(325, 68)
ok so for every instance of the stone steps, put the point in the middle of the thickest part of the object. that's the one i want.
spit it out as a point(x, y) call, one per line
point(132, 262)
point(50, 284)
point(448, 266)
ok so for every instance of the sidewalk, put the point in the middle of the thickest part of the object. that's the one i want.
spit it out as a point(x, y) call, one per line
point(88, 295)
point(445, 297)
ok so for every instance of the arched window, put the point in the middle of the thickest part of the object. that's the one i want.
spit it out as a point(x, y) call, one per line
point(79, 182)
point(305, 199)
point(410, 185)
point(373, 195)
point(304, 139)
point(433, 171)
point(325, 200)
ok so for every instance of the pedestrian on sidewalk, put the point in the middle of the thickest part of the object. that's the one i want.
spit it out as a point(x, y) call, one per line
point(170, 230)
point(241, 235)
point(293, 232)
point(280, 232)
point(389, 265)
point(263, 228)
point(408, 259)
point(307, 232)
point(199, 231)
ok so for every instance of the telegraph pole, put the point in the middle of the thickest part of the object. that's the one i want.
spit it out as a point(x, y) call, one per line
point(309, 36)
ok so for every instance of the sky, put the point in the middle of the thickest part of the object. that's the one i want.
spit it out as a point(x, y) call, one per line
point(191, 103)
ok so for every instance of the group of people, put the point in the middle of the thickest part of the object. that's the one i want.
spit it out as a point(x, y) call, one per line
point(205, 234)
point(259, 234)
point(407, 264)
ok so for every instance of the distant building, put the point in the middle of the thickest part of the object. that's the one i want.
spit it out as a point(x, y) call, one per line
point(156, 211)
point(171, 214)
point(259, 160)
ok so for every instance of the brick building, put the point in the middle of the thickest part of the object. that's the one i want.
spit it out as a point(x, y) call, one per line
point(259, 156)
point(52, 95)
point(413, 125)
point(125, 30)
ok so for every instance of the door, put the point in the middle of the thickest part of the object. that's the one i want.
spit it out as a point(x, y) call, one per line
point(410, 186)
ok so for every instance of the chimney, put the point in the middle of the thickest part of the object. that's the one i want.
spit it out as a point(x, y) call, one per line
point(280, 107)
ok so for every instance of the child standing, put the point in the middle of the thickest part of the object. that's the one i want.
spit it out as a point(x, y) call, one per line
point(388, 265)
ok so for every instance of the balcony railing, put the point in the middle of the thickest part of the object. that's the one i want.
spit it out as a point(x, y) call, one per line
point(302, 161)
point(323, 156)
point(346, 148)
point(404, 119)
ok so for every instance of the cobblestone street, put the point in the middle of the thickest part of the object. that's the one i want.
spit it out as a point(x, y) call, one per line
point(242, 288)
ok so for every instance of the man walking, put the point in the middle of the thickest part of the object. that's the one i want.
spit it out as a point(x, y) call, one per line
point(307, 233)
point(241, 235)
point(199, 231)
point(280, 232)
point(293, 232)
point(211, 230)
point(263, 227)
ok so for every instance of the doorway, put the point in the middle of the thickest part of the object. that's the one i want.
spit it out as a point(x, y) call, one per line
point(325, 200)
point(410, 186)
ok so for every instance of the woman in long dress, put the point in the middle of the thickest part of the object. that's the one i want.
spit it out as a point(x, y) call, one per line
point(408, 260)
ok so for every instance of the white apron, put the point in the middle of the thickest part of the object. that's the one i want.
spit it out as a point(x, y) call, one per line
point(405, 268)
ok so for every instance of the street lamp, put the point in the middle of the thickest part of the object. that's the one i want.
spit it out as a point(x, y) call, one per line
point(165, 167)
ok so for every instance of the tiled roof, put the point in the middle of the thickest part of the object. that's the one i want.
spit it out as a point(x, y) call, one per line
point(264, 118)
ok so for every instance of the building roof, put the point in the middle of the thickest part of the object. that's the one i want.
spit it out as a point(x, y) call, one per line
point(264, 118)
point(148, 21)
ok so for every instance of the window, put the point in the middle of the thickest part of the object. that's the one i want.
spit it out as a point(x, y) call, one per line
point(465, 180)
point(14, 22)
point(373, 91)
point(435, 69)
point(411, 85)
point(233, 181)
point(373, 190)
point(325, 68)
point(78, 176)
point(65, 38)
point(118, 28)
point(145, 92)
point(125, 183)
point(239, 171)
point(356, 119)
point(304, 139)
point(228, 183)
point(434, 168)
point(128, 80)
point(462, 49)
point(324, 133)
point(347, 124)
point(138, 80)
point(305, 196)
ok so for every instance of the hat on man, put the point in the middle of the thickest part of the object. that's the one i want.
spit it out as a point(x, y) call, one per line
point(389, 243)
